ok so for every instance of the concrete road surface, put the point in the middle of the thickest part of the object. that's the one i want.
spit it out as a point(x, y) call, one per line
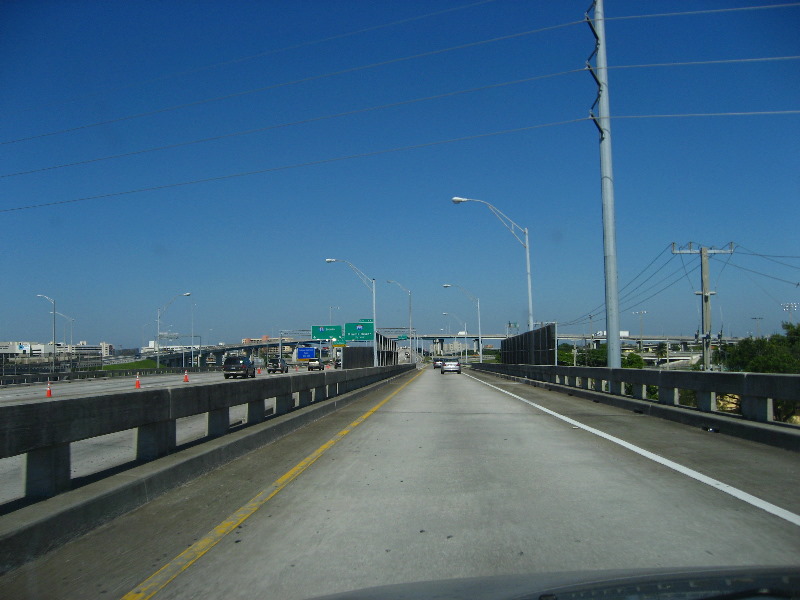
point(446, 478)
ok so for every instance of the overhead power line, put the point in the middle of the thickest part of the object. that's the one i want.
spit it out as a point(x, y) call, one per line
point(663, 289)
point(274, 86)
point(242, 59)
point(393, 105)
point(752, 113)
point(694, 63)
point(306, 44)
point(768, 257)
point(794, 283)
point(295, 166)
point(640, 289)
point(585, 317)
point(703, 12)
point(295, 123)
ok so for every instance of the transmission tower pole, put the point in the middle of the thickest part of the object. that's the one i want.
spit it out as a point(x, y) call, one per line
point(758, 326)
point(789, 307)
point(603, 123)
point(706, 294)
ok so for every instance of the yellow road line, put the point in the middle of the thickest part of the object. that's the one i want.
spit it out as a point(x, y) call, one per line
point(161, 578)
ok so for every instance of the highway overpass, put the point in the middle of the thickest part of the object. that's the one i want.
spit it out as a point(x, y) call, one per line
point(427, 477)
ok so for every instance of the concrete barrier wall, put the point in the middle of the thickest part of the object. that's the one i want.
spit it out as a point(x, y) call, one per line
point(28, 378)
point(628, 388)
point(45, 430)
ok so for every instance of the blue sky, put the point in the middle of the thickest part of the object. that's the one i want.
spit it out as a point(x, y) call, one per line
point(342, 129)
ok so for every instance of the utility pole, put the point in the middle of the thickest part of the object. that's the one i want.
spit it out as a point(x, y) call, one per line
point(790, 307)
point(641, 314)
point(706, 294)
point(603, 123)
point(758, 326)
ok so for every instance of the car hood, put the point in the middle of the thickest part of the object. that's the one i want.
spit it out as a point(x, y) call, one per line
point(662, 584)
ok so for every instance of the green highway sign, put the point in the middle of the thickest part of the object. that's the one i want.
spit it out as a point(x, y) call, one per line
point(354, 332)
point(366, 321)
point(402, 337)
point(326, 332)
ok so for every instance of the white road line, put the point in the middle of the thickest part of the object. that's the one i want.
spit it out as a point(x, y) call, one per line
point(723, 487)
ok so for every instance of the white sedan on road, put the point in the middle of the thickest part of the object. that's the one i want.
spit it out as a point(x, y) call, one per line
point(451, 365)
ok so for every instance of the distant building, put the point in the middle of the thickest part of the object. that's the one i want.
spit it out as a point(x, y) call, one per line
point(453, 348)
point(261, 340)
point(35, 349)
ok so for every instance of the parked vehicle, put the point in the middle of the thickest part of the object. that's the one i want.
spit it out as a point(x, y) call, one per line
point(277, 365)
point(238, 366)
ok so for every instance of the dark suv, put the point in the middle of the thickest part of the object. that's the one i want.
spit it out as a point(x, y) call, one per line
point(277, 365)
point(238, 366)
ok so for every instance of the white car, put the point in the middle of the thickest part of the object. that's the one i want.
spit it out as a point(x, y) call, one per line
point(451, 365)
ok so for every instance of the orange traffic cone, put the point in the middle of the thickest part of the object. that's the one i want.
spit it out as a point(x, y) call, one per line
point(259, 370)
point(186, 375)
point(138, 384)
point(49, 391)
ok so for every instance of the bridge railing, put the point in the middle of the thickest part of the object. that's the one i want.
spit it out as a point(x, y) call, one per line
point(44, 430)
point(747, 396)
point(27, 378)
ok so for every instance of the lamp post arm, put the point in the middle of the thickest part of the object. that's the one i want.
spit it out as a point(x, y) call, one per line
point(410, 316)
point(367, 281)
point(508, 223)
point(53, 302)
point(468, 295)
point(516, 231)
point(164, 309)
point(159, 312)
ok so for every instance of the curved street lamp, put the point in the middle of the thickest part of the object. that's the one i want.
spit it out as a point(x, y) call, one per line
point(53, 302)
point(71, 347)
point(512, 227)
point(478, 302)
point(410, 340)
point(458, 322)
point(370, 283)
point(641, 314)
point(158, 326)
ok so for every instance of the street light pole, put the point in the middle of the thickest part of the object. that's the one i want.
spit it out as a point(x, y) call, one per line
point(370, 283)
point(789, 307)
point(478, 302)
point(53, 302)
point(330, 313)
point(70, 349)
point(410, 340)
point(159, 312)
point(641, 314)
point(455, 337)
point(511, 226)
point(192, 342)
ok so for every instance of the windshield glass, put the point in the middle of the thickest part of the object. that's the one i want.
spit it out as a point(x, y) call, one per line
point(602, 376)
